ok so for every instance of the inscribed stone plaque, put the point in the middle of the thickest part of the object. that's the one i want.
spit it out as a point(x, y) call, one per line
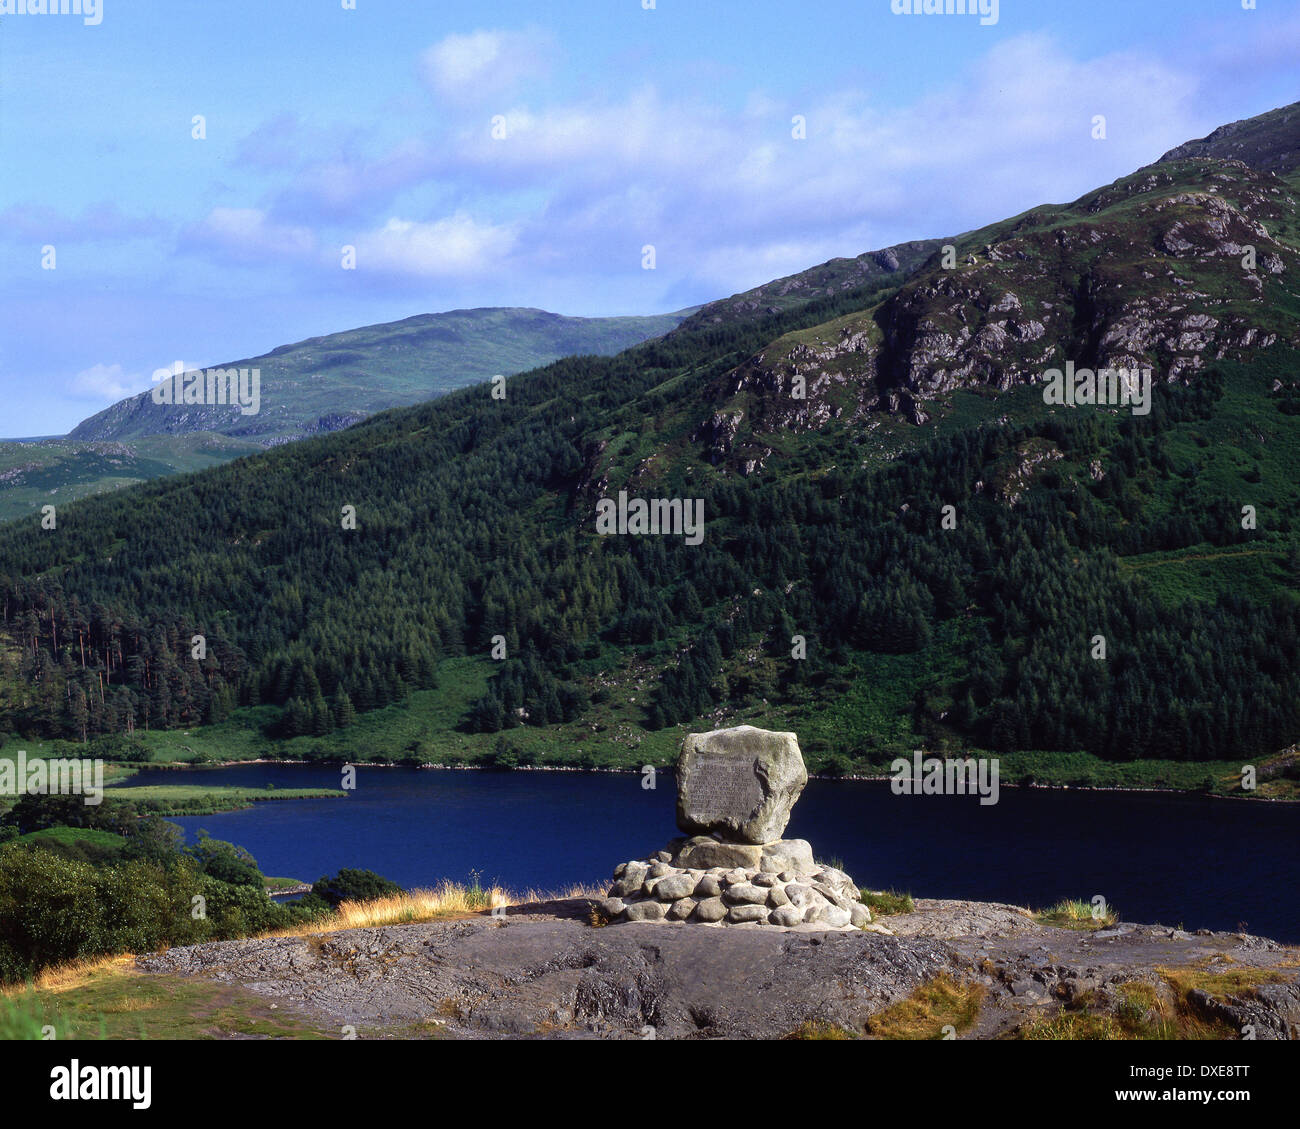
point(738, 784)
point(725, 788)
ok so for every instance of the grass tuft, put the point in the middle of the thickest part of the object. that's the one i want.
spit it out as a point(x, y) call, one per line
point(884, 903)
point(937, 1004)
point(820, 1030)
point(1076, 914)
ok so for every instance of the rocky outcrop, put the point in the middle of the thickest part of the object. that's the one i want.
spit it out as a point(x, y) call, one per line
point(542, 971)
point(1169, 269)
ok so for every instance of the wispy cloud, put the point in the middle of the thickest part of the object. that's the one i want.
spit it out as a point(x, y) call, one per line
point(105, 383)
point(455, 247)
point(99, 221)
point(470, 67)
point(247, 236)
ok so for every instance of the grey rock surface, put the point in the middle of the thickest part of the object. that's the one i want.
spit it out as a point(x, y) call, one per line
point(556, 977)
point(707, 853)
point(787, 855)
point(740, 783)
point(543, 971)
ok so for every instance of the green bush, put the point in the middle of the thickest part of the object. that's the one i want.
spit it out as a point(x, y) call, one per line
point(226, 862)
point(353, 886)
point(55, 909)
point(47, 913)
point(118, 747)
point(237, 911)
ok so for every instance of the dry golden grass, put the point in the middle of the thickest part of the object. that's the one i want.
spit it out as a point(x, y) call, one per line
point(1149, 1010)
point(65, 977)
point(445, 901)
point(1219, 982)
point(1073, 1027)
point(938, 1003)
point(819, 1031)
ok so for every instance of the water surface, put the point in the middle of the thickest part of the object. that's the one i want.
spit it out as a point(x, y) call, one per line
point(1185, 860)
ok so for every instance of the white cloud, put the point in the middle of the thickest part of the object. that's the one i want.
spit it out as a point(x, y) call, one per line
point(105, 382)
point(728, 195)
point(464, 67)
point(246, 235)
point(729, 198)
point(456, 246)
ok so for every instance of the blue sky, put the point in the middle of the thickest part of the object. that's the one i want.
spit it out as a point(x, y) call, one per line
point(373, 128)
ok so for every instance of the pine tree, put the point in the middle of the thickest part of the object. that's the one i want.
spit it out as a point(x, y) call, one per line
point(344, 712)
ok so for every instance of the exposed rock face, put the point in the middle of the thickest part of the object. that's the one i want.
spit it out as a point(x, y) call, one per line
point(739, 784)
point(1171, 268)
point(543, 971)
point(718, 432)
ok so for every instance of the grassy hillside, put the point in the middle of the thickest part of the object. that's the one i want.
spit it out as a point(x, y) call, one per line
point(325, 383)
point(316, 386)
point(56, 471)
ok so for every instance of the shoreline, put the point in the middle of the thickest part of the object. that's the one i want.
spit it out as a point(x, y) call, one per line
point(180, 766)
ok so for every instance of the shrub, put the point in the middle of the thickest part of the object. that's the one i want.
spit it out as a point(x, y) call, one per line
point(55, 909)
point(226, 862)
point(350, 885)
point(237, 911)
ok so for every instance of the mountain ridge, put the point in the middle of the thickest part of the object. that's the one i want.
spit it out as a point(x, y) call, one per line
point(373, 363)
point(1268, 142)
point(314, 386)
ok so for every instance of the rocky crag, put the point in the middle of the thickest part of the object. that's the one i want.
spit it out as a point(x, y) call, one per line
point(1178, 266)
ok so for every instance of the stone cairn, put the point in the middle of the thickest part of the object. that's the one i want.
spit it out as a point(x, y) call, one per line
point(735, 790)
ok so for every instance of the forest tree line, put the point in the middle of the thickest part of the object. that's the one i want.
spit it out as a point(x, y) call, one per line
point(471, 524)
